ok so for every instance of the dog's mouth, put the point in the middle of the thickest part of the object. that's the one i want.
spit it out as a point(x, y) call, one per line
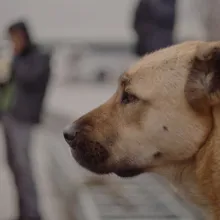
point(94, 157)
point(93, 163)
point(130, 172)
point(105, 169)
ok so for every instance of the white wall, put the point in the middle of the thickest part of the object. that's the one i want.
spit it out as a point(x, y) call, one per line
point(77, 19)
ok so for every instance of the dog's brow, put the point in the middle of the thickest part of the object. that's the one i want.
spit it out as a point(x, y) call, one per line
point(124, 80)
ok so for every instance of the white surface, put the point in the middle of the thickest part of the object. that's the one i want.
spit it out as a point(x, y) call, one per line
point(81, 19)
point(76, 99)
point(189, 21)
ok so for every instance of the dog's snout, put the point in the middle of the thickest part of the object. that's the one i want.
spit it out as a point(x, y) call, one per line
point(86, 148)
point(68, 136)
point(70, 132)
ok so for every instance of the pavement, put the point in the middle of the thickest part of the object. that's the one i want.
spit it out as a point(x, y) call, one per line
point(69, 192)
point(49, 202)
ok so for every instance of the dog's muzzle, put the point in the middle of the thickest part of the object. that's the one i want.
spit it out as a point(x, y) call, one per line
point(88, 153)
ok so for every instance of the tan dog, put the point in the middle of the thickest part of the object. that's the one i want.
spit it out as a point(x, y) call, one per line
point(163, 118)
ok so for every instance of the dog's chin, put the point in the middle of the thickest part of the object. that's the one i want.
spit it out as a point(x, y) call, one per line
point(101, 169)
point(132, 172)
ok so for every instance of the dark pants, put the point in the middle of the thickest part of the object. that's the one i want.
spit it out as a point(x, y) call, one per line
point(17, 138)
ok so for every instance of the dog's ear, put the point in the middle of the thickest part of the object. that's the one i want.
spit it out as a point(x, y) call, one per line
point(202, 89)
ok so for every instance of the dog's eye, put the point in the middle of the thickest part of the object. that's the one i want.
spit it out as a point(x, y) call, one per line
point(128, 98)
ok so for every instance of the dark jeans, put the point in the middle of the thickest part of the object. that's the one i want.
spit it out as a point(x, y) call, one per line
point(17, 139)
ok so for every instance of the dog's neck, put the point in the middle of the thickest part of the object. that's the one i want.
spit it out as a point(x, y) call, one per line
point(183, 177)
point(197, 179)
point(208, 166)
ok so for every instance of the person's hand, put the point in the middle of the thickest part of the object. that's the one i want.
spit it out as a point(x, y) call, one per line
point(4, 70)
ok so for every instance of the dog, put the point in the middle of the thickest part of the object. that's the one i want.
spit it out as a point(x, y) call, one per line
point(163, 118)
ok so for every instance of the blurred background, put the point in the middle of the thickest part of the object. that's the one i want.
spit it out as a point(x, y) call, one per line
point(91, 43)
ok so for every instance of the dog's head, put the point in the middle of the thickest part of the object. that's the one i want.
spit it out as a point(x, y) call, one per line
point(159, 115)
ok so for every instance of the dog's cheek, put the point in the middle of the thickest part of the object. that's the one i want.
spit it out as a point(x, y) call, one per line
point(133, 115)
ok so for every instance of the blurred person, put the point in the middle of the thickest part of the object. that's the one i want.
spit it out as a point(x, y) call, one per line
point(30, 73)
point(153, 24)
point(197, 20)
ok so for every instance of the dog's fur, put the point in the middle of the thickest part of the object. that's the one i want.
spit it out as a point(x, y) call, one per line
point(163, 118)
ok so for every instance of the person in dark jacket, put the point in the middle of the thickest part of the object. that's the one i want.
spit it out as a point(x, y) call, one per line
point(30, 73)
point(153, 24)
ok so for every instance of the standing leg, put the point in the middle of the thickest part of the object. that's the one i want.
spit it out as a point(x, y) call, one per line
point(17, 137)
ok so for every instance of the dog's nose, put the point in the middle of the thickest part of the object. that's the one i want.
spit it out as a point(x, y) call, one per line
point(70, 132)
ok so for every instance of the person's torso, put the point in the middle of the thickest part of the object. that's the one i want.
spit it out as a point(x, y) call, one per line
point(156, 24)
point(157, 13)
point(28, 98)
